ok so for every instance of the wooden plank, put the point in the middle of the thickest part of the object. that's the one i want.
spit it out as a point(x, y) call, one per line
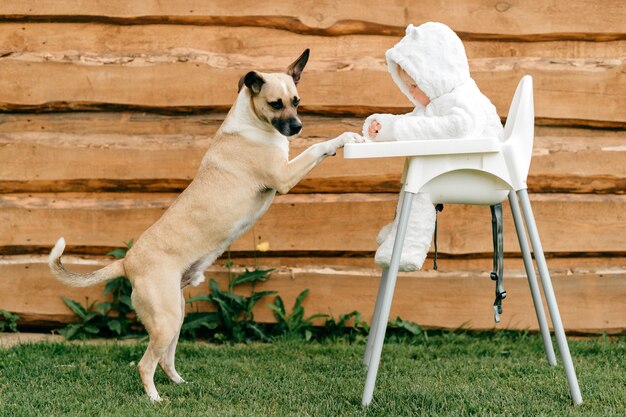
point(122, 123)
point(446, 263)
point(590, 300)
point(55, 153)
point(573, 89)
point(137, 40)
point(481, 18)
point(138, 123)
point(311, 222)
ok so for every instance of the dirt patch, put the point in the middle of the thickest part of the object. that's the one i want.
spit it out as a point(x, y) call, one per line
point(8, 340)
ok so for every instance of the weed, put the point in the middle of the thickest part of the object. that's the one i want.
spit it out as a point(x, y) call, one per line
point(294, 323)
point(349, 326)
point(8, 321)
point(115, 317)
point(400, 330)
point(233, 319)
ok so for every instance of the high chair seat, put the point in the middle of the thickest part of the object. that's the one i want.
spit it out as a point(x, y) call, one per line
point(470, 171)
point(462, 171)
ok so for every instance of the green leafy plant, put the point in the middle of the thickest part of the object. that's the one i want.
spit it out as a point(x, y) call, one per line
point(120, 314)
point(403, 330)
point(90, 324)
point(233, 319)
point(342, 328)
point(294, 323)
point(115, 317)
point(8, 321)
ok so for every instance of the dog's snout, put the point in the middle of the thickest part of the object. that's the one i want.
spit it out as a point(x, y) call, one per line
point(295, 126)
point(287, 127)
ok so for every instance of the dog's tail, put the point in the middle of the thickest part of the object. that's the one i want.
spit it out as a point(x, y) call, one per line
point(73, 279)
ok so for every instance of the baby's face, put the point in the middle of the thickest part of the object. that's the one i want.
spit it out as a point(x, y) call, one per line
point(413, 88)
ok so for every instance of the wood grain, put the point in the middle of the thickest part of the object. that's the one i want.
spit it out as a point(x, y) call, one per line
point(590, 300)
point(516, 19)
point(560, 263)
point(311, 222)
point(54, 153)
point(581, 89)
point(121, 96)
point(110, 40)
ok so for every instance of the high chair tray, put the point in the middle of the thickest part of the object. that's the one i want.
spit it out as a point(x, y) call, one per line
point(421, 148)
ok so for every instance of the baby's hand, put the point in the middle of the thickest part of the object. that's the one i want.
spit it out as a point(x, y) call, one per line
point(373, 129)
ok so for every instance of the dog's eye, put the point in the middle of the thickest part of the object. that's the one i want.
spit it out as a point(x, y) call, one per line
point(278, 104)
point(295, 101)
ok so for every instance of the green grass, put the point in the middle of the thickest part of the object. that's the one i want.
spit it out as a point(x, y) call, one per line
point(452, 374)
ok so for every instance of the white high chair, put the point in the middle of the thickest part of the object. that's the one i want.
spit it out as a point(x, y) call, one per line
point(479, 171)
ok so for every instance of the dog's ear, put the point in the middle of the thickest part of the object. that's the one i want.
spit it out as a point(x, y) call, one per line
point(295, 69)
point(253, 81)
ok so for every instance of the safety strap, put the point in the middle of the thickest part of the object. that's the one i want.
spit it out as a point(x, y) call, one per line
point(498, 259)
point(438, 208)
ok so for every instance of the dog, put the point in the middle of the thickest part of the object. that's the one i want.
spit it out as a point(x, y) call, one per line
point(246, 164)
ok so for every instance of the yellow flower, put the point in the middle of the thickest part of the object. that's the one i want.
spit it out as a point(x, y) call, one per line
point(263, 246)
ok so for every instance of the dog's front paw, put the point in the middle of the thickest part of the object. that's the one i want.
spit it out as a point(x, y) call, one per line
point(341, 140)
point(349, 137)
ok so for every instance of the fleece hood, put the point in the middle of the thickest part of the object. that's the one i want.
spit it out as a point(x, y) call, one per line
point(434, 56)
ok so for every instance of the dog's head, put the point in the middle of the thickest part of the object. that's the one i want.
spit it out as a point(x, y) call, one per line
point(275, 97)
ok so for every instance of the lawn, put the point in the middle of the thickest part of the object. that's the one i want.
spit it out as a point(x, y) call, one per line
point(452, 374)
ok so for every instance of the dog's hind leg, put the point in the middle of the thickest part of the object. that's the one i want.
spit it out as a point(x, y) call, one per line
point(167, 361)
point(158, 307)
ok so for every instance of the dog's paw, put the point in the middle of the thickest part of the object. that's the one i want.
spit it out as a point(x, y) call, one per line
point(349, 137)
point(179, 380)
point(341, 140)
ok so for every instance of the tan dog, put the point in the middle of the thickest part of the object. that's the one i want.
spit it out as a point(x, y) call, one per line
point(245, 165)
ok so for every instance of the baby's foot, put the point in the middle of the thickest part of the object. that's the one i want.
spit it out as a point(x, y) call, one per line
point(384, 232)
point(414, 250)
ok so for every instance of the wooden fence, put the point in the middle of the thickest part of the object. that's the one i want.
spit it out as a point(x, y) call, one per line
point(106, 109)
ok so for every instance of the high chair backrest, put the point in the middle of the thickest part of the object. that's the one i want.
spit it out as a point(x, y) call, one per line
point(519, 133)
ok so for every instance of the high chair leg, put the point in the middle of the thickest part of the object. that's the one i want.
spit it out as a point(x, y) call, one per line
point(532, 278)
point(559, 332)
point(392, 274)
point(375, 318)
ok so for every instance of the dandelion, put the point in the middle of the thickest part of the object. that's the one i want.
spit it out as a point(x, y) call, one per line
point(263, 246)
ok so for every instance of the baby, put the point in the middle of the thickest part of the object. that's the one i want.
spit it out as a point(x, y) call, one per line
point(430, 67)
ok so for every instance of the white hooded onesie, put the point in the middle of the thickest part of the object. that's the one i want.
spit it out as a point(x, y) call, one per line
point(434, 57)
